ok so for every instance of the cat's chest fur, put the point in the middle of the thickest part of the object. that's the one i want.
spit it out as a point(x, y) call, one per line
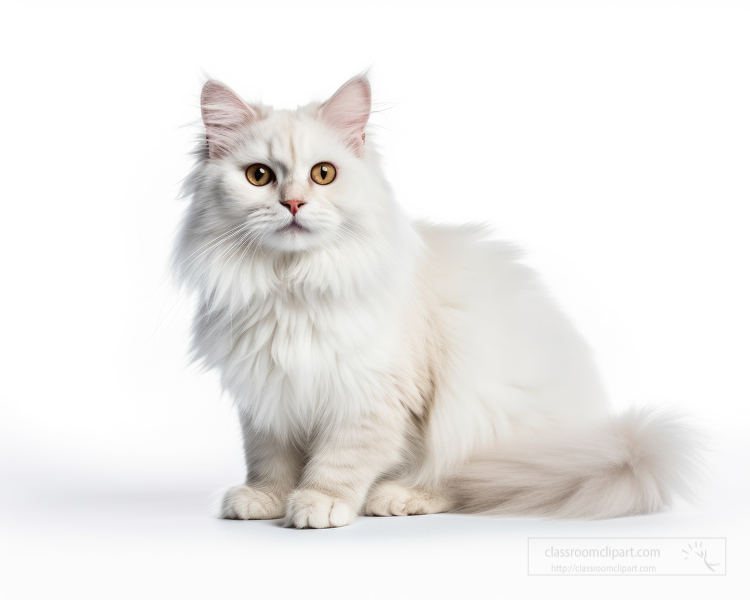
point(291, 359)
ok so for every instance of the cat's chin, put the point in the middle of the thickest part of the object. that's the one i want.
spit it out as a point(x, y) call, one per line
point(295, 227)
point(294, 238)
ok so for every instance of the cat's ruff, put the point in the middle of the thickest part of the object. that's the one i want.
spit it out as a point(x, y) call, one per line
point(386, 367)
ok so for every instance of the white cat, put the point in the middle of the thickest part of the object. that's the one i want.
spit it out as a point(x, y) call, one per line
point(386, 367)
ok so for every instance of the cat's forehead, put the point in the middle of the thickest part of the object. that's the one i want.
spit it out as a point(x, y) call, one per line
point(280, 125)
point(290, 138)
point(287, 131)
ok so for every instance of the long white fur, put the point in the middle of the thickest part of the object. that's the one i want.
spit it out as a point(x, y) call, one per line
point(386, 367)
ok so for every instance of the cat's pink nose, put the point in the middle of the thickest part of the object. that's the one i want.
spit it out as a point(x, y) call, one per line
point(293, 205)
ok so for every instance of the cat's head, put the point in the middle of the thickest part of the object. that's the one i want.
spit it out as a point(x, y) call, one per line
point(288, 180)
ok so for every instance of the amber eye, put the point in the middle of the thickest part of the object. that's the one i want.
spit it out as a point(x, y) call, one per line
point(323, 173)
point(259, 174)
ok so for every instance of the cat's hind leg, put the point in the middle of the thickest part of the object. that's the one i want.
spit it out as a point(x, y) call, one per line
point(391, 499)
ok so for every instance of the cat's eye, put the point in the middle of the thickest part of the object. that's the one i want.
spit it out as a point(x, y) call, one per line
point(259, 174)
point(323, 173)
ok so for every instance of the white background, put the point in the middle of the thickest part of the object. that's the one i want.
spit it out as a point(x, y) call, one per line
point(609, 139)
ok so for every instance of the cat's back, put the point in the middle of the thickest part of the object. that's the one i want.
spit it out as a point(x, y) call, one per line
point(463, 266)
point(513, 348)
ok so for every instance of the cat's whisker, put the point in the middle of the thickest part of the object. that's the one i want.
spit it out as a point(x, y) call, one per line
point(189, 269)
point(223, 251)
point(186, 291)
point(215, 239)
point(166, 277)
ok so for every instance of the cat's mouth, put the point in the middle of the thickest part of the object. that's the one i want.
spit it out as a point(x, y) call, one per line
point(293, 226)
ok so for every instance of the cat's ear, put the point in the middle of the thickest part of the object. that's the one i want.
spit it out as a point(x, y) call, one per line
point(224, 113)
point(348, 110)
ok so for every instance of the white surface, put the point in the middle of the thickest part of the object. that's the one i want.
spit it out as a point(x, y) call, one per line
point(73, 541)
point(608, 139)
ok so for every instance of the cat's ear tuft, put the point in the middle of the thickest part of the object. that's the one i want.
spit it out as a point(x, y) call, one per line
point(224, 113)
point(348, 110)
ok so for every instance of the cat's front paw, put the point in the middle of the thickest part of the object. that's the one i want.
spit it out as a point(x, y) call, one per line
point(309, 509)
point(245, 502)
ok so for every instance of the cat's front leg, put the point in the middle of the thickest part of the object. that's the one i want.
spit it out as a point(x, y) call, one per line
point(344, 462)
point(273, 469)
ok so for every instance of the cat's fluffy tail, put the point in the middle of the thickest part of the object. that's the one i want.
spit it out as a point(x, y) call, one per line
point(632, 463)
